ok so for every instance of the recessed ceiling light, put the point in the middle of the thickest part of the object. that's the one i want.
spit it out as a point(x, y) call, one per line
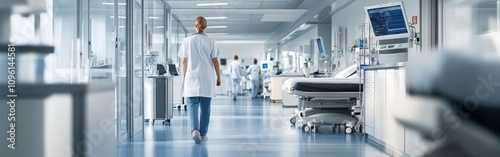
point(217, 27)
point(154, 17)
point(120, 17)
point(210, 4)
point(121, 26)
point(106, 3)
point(216, 33)
point(220, 17)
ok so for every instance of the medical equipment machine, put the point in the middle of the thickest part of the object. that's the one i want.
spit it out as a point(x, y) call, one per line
point(388, 21)
point(327, 101)
point(391, 32)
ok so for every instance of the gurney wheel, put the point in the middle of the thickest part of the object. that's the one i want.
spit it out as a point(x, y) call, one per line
point(314, 129)
point(359, 128)
point(166, 122)
point(185, 107)
point(179, 107)
point(307, 129)
point(293, 120)
point(348, 130)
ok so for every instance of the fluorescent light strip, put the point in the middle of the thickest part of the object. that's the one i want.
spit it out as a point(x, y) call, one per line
point(120, 17)
point(210, 4)
point(154, 17)
point(160, 27)
point(217, 27)
point(106, 3)
point(212, 18)
point(216, 33)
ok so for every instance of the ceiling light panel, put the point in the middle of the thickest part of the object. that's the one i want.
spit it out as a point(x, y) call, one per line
point(211, 4)
point(217, 27)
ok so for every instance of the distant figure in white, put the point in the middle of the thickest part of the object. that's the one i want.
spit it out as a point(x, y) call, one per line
point(254, 71)
point(235, 70)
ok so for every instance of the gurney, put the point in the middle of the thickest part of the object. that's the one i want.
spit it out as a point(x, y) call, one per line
point(326, 101)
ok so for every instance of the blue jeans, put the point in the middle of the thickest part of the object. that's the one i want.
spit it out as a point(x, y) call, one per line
point(255, 88)
point(199, 122)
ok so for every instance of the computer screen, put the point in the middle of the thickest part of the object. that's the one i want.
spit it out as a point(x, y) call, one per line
point(223, 61)
point(265, 66)
point(319, 42)
point(172, 70)
point(388, 19)
point(161, 69)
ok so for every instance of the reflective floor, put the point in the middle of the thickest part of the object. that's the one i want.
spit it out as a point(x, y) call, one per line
point(245, 128)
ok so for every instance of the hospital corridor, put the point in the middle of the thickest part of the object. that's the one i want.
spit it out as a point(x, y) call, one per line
point(247, 128)
point(249, 78)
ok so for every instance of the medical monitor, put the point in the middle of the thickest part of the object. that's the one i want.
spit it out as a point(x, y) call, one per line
point(321, 47)
point(388, 21)
point(266, 65)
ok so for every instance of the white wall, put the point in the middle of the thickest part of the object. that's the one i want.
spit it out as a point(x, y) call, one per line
point(244, 51)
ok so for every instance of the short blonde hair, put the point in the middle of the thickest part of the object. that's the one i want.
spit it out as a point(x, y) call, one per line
point(200, 24)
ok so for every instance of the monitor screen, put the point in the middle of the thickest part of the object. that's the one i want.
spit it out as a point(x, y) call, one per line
point(320, 45)
point(161, 69)
point(172, 70)
point(223, 61)
point(388, 20)
point(265, 66)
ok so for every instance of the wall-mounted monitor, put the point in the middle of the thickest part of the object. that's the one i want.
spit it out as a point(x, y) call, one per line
point(223, 61)
point(388, 21)
point(319, 43)
point(266, 65)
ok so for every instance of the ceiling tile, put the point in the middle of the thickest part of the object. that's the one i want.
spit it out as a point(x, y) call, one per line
point(274, 5)
point(267, 27)
point(280, 17)
point(232, 5)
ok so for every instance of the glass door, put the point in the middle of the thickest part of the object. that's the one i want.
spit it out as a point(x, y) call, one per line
point(138, 68)
point(120, 68)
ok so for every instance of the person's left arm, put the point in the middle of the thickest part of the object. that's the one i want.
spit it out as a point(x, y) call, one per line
point(215, 61)
point(215, 54)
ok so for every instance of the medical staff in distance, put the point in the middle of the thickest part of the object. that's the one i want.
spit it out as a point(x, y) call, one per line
point(235, 70)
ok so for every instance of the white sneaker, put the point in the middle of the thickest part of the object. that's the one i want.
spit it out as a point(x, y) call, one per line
point(204, 138)
point(196, 136)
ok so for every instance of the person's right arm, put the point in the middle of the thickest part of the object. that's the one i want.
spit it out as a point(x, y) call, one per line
point(249, 70)
point(215, 61)
point(184, 68)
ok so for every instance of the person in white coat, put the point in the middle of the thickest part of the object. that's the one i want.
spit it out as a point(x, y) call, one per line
point(254, 71)
point(235, 70)
point(200, 75)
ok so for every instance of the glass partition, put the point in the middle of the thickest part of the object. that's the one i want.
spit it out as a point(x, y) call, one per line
point(471, 25)
point(63, 62)
point(155, 35)
point(138, 66)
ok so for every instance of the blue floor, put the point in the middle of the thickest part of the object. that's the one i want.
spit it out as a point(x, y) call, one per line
point(244, 128)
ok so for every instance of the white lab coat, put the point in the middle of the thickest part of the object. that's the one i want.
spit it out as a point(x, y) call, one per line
point(254, 71)
point(234, 68)
point(200, 79)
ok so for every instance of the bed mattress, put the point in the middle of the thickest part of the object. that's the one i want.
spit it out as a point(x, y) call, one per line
point(327, 85)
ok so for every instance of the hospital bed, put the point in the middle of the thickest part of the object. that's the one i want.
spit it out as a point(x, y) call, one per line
point(326, 101)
